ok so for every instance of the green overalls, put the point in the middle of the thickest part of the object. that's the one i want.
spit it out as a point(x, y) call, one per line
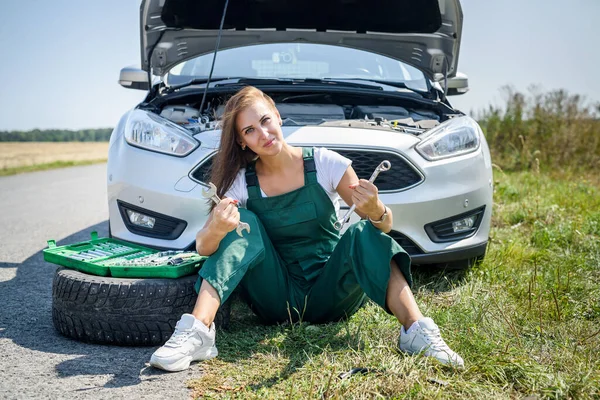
point(293, 261)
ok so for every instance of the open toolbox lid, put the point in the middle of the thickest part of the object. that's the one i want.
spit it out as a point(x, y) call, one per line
point(120, 259)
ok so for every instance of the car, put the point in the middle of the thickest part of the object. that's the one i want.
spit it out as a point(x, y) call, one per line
point(368, 79)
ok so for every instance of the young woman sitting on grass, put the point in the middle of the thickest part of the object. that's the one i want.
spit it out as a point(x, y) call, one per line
point(293, 262)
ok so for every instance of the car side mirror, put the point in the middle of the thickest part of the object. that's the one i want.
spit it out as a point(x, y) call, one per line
point(458, 84)
point(133, 78)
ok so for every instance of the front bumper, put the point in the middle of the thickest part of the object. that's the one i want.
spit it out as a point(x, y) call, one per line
point(450, 256)
point(162, 184)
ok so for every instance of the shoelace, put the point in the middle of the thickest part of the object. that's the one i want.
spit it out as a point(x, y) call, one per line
point(179, 336)
point(436, 339)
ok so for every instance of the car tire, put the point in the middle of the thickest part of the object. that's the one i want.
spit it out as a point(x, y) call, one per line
point(123, 312)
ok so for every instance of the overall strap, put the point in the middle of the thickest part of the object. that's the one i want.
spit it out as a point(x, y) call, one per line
point(310, 170)
point(252, 182)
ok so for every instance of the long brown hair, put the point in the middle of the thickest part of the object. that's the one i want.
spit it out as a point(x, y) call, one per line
point(231, 158)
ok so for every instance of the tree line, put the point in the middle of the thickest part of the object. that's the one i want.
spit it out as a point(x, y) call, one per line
point(57, 135)
point(548, 129)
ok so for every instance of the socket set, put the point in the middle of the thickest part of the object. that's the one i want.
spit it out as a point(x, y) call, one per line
point(100, 250)
point(171, 257)
point(113, 257)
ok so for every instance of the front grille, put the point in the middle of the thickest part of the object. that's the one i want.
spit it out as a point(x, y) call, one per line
point(402, 175)
point(408, 245)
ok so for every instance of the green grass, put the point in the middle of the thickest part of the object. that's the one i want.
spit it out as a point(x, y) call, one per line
point(46, 166)
point(526, 320)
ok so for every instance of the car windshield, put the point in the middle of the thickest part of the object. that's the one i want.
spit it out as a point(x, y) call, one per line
point(298, 61)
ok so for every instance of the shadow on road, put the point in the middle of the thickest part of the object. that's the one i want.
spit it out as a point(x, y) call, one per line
point(26, 319)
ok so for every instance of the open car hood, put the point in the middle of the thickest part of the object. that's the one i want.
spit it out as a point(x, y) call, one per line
point(423, 33)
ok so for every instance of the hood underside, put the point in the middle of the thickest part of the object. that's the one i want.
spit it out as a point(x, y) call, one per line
point(422, 33)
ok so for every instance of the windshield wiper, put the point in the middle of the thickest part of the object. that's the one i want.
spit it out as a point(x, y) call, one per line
point(389, 83)
point(300, 81)
point(231, 81)
point(396, 84)
point(195, 81)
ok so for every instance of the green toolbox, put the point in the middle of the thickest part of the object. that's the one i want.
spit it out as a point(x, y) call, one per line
point(113, 257)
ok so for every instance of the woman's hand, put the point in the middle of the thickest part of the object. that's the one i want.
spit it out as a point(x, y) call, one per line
point(225, 216)
point(365, 196)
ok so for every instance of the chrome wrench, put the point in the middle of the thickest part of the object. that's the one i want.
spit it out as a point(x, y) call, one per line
point(211, 193)
point(384, 166)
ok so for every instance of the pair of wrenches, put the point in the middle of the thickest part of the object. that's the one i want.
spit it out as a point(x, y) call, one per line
point(383, 166)
point(211, 193)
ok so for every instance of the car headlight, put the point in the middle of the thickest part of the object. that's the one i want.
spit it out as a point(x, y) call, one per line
point(453, 138)
point(152, 132)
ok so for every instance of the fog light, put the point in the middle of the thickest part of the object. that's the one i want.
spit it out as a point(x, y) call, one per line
point(139, 219)
point(143, 222)
point(464, 224)
point(455, 228)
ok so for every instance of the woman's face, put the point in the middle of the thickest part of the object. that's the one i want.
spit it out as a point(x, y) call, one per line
point(259, 128)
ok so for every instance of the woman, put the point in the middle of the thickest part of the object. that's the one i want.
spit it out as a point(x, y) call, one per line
point(293, 263)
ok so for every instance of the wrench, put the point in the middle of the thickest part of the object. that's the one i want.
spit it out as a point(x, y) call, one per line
point(384, 166)
point(212, 194)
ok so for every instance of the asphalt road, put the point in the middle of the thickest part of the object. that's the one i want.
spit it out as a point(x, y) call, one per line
point(35, 361)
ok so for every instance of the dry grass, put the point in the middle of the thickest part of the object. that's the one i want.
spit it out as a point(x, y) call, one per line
point(553, 130)
point(22, 156)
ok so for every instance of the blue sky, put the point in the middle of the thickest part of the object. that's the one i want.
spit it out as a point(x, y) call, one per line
point(61, 58)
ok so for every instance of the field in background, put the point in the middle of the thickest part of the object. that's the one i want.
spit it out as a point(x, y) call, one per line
point(537, 130)
point(16, 157)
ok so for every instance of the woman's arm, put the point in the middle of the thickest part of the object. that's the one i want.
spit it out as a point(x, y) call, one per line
point(366, 197)
point(222, 219)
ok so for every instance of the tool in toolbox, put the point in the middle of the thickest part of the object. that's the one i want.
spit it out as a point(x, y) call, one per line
point(212, 194)
point(113, 257)
point(383, 166)
point(170, 257)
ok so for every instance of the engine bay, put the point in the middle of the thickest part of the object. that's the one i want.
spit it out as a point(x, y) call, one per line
point(357, 111)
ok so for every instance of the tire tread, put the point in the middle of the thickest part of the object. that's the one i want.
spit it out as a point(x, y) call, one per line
point(125, 312)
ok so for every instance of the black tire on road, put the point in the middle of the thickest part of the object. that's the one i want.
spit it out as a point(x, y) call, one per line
point(124, 312)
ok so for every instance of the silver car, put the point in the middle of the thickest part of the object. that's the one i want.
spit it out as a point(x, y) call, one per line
point(370, 82)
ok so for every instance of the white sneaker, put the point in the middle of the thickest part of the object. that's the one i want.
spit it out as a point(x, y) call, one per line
point(191, 341)
point(424, 337)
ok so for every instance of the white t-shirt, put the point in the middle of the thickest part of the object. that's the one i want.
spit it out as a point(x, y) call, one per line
point(330, 166)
